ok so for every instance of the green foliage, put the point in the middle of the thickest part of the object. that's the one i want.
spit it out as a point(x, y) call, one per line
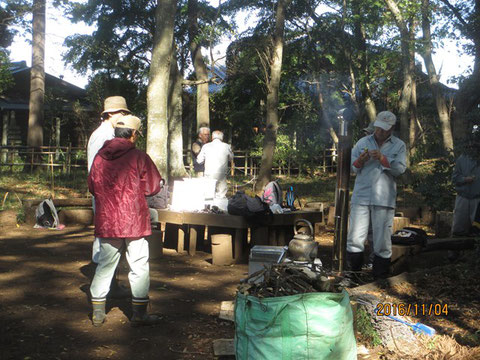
point(12, 12)
point(433, 180)
point(365, 328)
point(6, 79)
point(21, 215)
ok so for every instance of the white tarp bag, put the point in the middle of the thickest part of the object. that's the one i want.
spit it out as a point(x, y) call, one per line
point(46, 215)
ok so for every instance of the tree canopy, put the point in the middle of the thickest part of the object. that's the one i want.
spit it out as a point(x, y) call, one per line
point(362, 54)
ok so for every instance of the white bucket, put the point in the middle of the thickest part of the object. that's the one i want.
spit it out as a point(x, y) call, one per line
point(222, 249)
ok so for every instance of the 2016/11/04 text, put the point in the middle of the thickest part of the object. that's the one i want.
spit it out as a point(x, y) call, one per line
point(402, 309)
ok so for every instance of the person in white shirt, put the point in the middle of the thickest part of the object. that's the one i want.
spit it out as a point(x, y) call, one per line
point(114, 108)
point(377, 159)
point(216, 155)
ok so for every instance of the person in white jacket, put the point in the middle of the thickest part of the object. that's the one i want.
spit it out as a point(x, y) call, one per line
point(216, 155)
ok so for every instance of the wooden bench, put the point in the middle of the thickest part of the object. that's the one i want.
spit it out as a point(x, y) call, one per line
point(80, 213)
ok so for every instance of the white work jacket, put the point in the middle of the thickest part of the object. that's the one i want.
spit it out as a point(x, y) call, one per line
point(216, 155)
point(375, 184)
point(101, 134)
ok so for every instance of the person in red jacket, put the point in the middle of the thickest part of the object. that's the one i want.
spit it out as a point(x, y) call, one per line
point(120, 178)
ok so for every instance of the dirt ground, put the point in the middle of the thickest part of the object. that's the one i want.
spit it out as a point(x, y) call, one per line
point(45, 310)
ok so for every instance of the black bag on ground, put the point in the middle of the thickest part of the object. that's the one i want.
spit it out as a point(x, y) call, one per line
point(244, 205)
point(410, 236)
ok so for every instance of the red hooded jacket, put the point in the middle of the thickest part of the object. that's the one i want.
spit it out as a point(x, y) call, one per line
point(120, 178)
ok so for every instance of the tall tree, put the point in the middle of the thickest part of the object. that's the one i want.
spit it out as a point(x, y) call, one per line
point(440, 101)
point(157, 94)
point(201, 73)
point(406, 28)
point(360, 35)
point(176, 168)
point(37, 79)
point(273, 85)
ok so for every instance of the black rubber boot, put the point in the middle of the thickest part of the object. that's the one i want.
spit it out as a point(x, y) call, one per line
point(140, 316)
point(98, 314)
point(354, 261)
point(381, 267)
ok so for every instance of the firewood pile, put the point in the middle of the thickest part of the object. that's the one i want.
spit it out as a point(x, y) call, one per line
point(289, 279)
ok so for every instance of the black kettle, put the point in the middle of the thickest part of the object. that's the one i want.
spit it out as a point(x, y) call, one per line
point(303, 247)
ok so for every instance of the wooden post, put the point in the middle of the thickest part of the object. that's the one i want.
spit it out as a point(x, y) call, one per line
point(57, 138)
point(324, 161)
point(64, 164)
point(246, 163)
point(31, 161)
point(52, 183)
point(68, 159)
point(5, 136)
point(11, 160)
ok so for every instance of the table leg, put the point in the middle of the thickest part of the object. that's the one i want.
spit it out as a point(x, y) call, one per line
point(181, 240)
point(272, 236)
point(192, 246)
point(259, 236)
point(240, 246)
point(171, 236)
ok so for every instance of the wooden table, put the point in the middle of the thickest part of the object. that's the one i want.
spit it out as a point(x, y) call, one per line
point(275, 229)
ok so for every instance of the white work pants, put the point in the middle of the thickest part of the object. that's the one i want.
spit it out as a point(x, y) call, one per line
point(96, 241)
point(464, 214)
point(382, 222)
point(109, 256)
point(221, 186)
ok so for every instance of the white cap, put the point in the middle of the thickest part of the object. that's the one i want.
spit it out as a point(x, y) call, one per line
point(385, 120)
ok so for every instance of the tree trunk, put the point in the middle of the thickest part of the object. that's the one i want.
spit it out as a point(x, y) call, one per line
point(440, 101)
point(324, 116)
point(37, 77)
point(407, 51)
point(175, 139)
point(157, 92)
point(413, 118)
point(361, 44)
point(201, 74)
point(273, 85)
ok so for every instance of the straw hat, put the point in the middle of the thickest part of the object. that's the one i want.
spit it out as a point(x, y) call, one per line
point(114, 104)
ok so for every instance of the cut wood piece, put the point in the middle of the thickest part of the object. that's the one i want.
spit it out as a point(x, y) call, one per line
point(80, 216)
point(451, 243)
point(60, 202)
point(399, 222)
point(227, 309)
point(443, 223)
point(223, 347)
